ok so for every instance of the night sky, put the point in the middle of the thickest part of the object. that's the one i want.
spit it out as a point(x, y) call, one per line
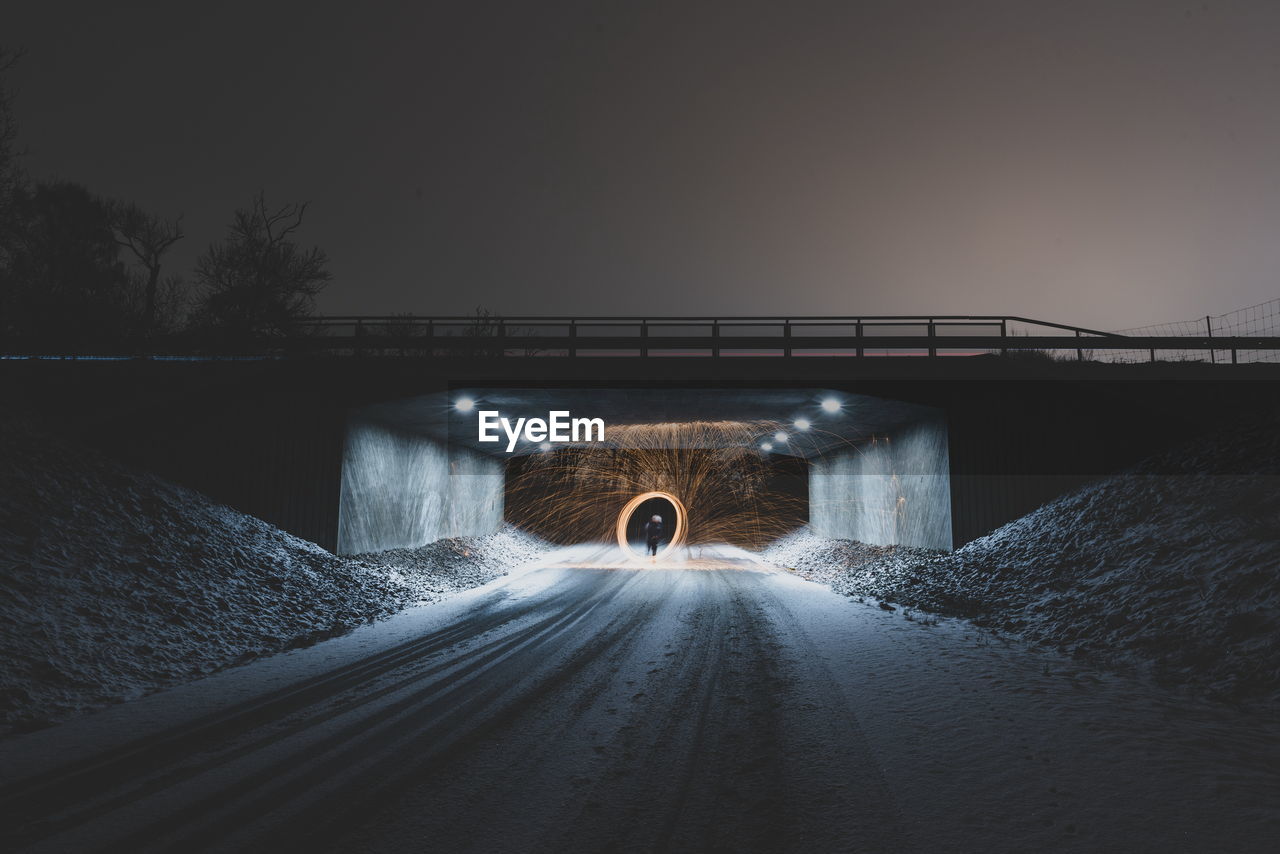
point(1102, 163)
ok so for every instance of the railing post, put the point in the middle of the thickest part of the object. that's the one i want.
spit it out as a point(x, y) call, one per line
point(715, 339)
point(1004, 333)
point(644, 338)
point(1208, 325)
point(933, 332)
point(573, 334)
point(786, 337)
point(1079, 350)
point(857, 331)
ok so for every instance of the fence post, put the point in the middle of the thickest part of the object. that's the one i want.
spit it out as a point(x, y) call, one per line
point(933, 332)
point(715, 339)
point(1004, 333)
point(1079, 351)
point(857, 331)
point(1208, 325)
point(786, 337)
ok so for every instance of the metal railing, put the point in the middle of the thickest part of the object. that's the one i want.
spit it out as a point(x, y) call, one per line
point(1255, 321)
point(714, 337)
point(881, 335)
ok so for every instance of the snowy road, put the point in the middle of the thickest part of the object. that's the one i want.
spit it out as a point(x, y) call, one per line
point(716, 706)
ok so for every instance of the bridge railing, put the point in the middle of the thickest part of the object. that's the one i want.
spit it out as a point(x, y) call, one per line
point(1255, 321)
point(715, 337)
point(881, 335)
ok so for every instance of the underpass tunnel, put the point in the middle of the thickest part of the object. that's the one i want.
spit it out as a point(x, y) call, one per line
point(736, 466)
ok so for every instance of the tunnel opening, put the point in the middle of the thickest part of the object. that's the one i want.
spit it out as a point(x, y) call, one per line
point(748, 466)
point(725, 495)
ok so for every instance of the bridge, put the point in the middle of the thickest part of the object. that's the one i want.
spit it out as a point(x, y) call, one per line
point(1024, 409)
point(493, 336)
point(883, 335)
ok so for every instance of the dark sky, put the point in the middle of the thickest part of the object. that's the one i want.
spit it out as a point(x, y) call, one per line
point(1102, 163)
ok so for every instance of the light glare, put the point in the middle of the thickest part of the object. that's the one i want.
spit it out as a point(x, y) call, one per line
point(779, 437)
point(802, 423)
point(464, 404)
point(830, 404)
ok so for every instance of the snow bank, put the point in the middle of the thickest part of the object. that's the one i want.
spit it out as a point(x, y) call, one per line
point(458, 563)
point(1172, 567)
point(114, 582)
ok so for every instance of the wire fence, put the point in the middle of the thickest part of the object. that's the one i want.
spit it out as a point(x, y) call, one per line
point(1262, 320)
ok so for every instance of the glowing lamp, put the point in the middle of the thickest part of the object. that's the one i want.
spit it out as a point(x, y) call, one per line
point(779, 437)
point(464, 404)
point(830, 404)
point(766, 446)
point(802, 424)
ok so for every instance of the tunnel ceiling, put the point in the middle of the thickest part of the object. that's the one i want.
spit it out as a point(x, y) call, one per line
point(860, 416)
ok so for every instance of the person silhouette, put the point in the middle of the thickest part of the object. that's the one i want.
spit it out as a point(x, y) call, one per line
point(652, 534)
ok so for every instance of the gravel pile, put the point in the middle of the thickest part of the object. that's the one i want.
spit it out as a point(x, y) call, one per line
point(1172, 568)
point(115, 583)
point(458, 563)
point(887, 573)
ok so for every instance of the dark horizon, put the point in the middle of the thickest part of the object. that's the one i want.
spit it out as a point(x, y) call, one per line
point(1100, 166)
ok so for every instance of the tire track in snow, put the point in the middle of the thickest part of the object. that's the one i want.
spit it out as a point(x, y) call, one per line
point(613, 709)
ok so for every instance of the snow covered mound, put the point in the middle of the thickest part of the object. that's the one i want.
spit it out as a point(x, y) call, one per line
point(891, 573)
point(459, 563)
point(114, 582)
point(1173, 567)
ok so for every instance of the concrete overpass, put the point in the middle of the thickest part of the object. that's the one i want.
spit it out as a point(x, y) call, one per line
point(271, 435)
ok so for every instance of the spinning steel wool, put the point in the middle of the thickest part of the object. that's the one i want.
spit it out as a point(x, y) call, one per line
point(732, 492)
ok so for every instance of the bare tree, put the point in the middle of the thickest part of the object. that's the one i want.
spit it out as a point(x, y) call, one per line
point(489, 324)
point(64, 281)
point(258, 281)
point(404, 333)
point(148, 237)
point(485, 324)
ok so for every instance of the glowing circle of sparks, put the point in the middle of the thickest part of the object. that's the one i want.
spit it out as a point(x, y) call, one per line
point(678, 536)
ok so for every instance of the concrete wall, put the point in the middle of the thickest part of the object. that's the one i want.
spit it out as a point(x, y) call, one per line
point(894, 490)
point(403, 491)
